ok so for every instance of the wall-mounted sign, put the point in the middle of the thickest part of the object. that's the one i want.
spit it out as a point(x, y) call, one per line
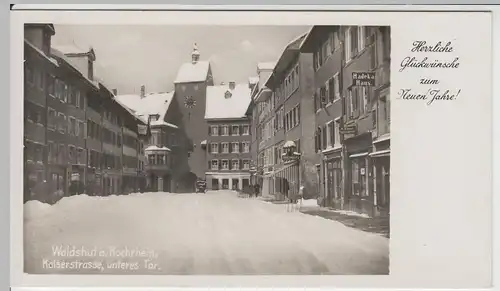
point(363, 78)
point(351, 129)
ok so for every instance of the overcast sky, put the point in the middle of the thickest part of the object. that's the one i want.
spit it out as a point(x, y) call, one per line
point(129, 56)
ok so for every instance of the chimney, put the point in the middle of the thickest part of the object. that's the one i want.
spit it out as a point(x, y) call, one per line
point(232, 85)
point(143, 91)
point(115, 92)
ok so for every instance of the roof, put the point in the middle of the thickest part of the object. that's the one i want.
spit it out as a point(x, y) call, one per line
point(253, 80)
point(266, 66)
point(220, 107)
point(70, 49)
point(40, 52)
point(152, 103)
point(288, 53)
point(155, 148)
point(193, 72)
point(57, 53)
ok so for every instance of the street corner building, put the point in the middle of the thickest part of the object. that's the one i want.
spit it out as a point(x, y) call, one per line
point(326, 103)
point(77, 137)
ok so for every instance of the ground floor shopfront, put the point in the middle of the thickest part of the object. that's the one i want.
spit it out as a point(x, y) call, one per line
point(332, 178)
point(234, 181)
point(357, 178)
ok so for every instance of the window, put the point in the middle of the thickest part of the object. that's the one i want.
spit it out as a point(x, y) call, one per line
point(246, 147)
point(324, 138)
point(51, 85)
point(62, 122)
point(225, 147)
point(246, 164)
point(359, 176)
point(80, 132)
point(336, 133)
point(361, 38)
point(330, 134)
point(215, 164)
point(235, 130)
point(51, 152)
point(214, 148)
point(40, 79)
point(71, 125)
point(236, 147)
point(336, 86)
point(65, 93)
point(225, 164)
point(71, 154)
point(246, 129)
point(235, 165)
point(52, 122)
point(30, 77)
point(214, 130)
point(225, 130)
point(77, 98)
point(363, 99)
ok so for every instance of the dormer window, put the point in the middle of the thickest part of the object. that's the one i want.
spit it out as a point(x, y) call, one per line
point(228, 94)
point(154, 117)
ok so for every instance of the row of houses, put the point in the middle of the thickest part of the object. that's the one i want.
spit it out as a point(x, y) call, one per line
point(77, 137)
point(321, 119)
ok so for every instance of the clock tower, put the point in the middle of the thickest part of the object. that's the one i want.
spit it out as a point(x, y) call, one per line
point(190, 91)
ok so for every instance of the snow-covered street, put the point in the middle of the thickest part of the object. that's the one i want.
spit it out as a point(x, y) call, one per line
point(213, 233)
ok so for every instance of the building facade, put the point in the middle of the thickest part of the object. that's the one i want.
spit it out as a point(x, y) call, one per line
point(286, 123)
point(67, 136)
point(164, 150)
point(228, 146)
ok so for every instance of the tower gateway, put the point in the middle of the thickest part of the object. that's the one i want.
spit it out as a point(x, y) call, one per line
point(191, 84)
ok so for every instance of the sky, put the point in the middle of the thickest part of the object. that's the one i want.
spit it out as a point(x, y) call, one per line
point(130, 56)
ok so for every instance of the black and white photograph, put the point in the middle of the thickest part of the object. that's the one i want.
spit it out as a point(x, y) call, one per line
point(206, 150)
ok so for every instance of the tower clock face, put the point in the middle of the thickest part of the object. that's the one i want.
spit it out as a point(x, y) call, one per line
point(189, 102)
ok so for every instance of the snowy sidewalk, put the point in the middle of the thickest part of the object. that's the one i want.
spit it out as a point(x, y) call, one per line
point(212, 233)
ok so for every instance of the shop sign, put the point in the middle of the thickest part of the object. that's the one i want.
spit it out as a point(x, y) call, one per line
point(351, 129)
point(363, 78)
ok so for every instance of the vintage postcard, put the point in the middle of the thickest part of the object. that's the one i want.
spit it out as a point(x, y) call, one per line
point(306, 144)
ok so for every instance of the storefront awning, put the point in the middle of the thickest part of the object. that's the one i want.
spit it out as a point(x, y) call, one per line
point(358, 155)
point(384, 153)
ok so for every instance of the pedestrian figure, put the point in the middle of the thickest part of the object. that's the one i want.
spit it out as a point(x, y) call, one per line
point(256, 189)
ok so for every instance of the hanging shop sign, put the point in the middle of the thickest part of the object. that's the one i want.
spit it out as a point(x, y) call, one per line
point(363, 78)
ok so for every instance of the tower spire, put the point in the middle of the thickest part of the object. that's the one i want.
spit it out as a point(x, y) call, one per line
point(195, 55)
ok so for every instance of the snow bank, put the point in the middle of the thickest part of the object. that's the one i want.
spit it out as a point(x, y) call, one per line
point(211, 233)
point(351, 213)
point(309, 202)
point(35, 208)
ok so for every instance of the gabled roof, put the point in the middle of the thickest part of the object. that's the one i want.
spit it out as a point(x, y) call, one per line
point(220, 107)
point(193, 72)
point(266, 65)
point(151, 104)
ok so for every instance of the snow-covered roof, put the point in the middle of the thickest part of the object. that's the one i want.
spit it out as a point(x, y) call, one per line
point(289, 144)
point(218, 106)
point(161, 122)
point(155, 148)
point(70, 49)
point(253, 80)
point(50, 59)
point(193, 72)
point(152, 103)
point(266, 65)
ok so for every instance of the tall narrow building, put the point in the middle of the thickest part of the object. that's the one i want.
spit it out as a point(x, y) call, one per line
point(190, 92)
